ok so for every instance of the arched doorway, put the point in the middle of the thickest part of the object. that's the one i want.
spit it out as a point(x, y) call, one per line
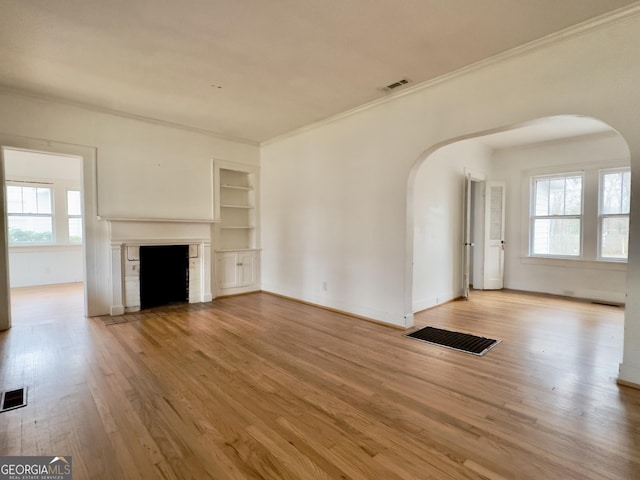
point(514, 154)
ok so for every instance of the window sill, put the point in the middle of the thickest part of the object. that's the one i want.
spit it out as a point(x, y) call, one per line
point(46, 246)
point(564, 262)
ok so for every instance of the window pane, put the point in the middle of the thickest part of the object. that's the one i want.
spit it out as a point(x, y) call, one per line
point(14, 199)
point(556, 196)
point(614, 237)
point(75, 230)
point(542, 197)
point(573, 196)
point(626, 192)
point(611, 193)
point(30, 229)
point(556, 236)
point(29, 200)
point(44, 200)
point(73, 202)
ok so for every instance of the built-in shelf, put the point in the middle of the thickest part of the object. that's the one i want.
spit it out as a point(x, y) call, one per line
point(237, 229)
point(237, 266)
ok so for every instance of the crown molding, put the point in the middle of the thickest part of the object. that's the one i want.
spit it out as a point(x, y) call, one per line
point(130, 116)
point(587, 26)
point(595, 23)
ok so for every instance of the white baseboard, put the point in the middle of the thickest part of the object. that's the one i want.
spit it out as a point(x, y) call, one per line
point(629, 374)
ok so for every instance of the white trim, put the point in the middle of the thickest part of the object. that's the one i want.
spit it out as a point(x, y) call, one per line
point(601, 21)
point(570, 262)
point(130, 116)
point(588, 171)
point(628, 373)
point(533, 195)
point(601, 216)
point(158, 220)
point(96, 257)
point(474, 175)
point(117, 294)
point(142, 242)
point(126, 274)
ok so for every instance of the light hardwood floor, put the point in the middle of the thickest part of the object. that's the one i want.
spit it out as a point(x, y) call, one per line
point(262, 387)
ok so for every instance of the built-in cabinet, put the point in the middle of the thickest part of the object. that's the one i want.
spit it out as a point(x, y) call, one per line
point(238, 269)
point(236, 238)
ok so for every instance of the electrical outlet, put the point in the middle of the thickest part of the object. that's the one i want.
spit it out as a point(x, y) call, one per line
point(324, 286)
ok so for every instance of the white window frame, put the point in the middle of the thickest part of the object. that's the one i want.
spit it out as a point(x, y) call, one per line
point(533, 217)
point(69, 216)
point(602, 216)
point(37, 215)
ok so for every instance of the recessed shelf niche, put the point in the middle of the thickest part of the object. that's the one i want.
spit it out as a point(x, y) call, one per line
point(237, 210)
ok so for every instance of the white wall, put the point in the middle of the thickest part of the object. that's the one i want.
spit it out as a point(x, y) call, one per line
point(144, 169)
point(437, 258)
point(45, 265)
point(334, 197)
point(332, 214)
point(586, 278)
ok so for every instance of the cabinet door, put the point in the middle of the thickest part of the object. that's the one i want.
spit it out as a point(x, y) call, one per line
point(247, 268)
point(228, 270)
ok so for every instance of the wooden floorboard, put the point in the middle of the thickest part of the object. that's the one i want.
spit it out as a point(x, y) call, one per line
point(258, 386)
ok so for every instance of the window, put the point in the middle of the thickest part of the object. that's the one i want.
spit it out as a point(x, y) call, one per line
point(613, 214)
point(29, 214)
point(74, 216)
point(556, 215)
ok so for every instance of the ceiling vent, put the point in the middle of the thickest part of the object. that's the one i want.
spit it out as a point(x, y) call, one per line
point(395, 85)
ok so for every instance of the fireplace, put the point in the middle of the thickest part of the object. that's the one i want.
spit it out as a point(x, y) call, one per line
point(164, 275)
point(189, 273)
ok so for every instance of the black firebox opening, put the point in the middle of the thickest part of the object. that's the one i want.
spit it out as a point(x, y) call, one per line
point(164, 275)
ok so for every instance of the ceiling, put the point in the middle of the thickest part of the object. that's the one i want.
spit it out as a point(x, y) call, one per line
point(255, 69)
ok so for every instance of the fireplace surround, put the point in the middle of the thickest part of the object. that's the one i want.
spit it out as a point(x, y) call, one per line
point(127, 236)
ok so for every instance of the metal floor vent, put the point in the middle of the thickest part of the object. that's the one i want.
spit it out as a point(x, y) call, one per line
point(463, 342)
point(12, 399)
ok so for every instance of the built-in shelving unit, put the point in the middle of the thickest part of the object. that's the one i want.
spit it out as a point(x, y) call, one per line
point(237, 235)
point(237, 210)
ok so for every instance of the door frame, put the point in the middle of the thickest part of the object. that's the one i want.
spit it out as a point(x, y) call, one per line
point(91, 227)
point(468, 204)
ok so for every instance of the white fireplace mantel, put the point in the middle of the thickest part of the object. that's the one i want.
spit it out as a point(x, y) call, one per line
point(127, 236)
point(157, 220)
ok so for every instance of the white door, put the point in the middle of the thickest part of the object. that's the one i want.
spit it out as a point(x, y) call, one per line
point(466, 228)
point(494, 236)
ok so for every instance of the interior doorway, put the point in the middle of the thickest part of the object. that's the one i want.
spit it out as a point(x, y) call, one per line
point(44, 217)
point(475, 225)
point(513, 155)
point(484, 244)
